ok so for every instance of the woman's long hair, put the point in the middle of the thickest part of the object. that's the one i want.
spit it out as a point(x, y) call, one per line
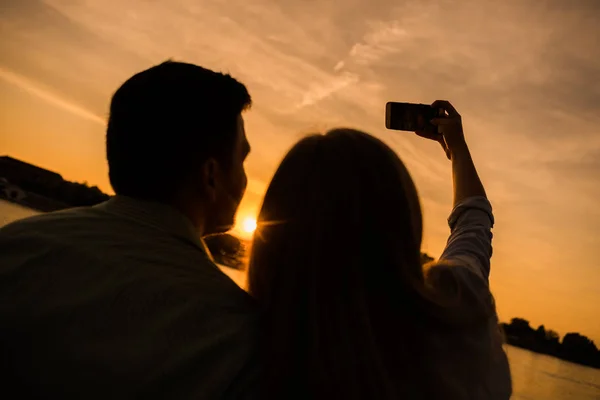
point(336, 269)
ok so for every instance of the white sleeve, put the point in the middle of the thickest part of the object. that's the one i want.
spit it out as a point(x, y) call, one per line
point(470, 241)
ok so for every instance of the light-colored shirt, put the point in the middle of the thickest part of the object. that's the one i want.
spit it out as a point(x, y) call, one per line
point(117, 301)
point(470, 241)
point(473, 364)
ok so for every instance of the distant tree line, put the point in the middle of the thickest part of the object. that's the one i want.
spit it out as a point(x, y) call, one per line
point(573, 347)
point(227, 250)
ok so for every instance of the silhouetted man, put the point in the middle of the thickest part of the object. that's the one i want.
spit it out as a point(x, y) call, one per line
point(121, 300)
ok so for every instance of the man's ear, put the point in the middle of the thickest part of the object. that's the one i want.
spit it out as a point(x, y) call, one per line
point(210, 170)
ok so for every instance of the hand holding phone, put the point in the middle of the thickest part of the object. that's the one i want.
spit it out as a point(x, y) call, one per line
point(442, 123)
point(439, 121)
point(449, 125)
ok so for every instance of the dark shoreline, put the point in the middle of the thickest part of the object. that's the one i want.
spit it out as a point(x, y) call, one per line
point(573, 347)
point(551, 355)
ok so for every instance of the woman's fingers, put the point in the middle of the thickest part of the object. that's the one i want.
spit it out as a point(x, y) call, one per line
point(446, 106)
point(448, 127)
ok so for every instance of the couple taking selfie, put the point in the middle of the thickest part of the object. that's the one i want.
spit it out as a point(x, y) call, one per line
point(122, 300)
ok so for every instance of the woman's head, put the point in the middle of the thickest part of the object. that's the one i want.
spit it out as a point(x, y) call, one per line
point(344, 195)
point(336, 251)
point(335, 267)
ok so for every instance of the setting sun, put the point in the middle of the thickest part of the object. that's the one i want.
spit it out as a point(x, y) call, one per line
point(249, 225)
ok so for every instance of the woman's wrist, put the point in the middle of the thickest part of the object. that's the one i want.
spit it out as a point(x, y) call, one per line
point(459, 150)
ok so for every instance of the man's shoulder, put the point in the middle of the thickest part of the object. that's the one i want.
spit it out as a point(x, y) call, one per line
point(50, 219)
point(43, 237)
point(104, 241)
point(49, 236)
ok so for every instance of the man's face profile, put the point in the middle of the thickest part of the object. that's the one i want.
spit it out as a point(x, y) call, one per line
point(230, 184)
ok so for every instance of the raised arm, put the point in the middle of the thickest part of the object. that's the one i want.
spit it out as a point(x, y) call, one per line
point(466, 180)
point(471, 220)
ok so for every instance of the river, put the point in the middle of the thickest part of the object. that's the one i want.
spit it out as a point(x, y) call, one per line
point(535, 376)
point(538, 376)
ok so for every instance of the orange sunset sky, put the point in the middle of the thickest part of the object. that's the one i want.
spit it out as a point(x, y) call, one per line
point(525, 74)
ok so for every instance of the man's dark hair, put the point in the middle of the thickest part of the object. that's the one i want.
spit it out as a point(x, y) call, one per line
point(166, 120)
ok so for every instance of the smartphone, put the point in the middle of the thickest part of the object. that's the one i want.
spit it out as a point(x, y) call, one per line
point(410, 117)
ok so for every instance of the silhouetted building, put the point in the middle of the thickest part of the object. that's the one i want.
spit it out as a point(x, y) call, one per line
point(41, 189)
point(19, 171)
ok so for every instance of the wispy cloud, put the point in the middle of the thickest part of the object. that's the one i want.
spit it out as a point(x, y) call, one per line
point(320, 92)
point(377, 43)
point(38, 91)
point(381, 41)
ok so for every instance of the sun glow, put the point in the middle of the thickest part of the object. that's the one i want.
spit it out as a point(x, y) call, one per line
point(249, 225)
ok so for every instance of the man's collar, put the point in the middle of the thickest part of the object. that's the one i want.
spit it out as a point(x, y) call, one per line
point(158, 215)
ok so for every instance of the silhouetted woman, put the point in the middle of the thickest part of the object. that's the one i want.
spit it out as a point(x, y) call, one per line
point(349, 312)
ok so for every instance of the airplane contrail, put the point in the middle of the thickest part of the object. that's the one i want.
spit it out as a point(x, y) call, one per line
point(34, 89)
